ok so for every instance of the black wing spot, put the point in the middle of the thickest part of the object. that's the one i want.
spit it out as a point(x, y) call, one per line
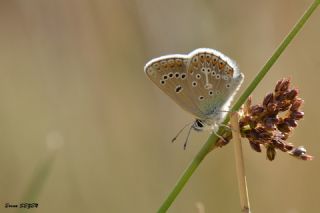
point(201, 98)
point(183, 76)
point(178, 89)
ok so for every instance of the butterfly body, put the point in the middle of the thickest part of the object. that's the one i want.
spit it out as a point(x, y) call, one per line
point(202, 82)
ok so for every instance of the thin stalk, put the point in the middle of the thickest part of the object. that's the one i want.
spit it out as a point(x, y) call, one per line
point(213, 138)
point(37, 182)
point(238, 153)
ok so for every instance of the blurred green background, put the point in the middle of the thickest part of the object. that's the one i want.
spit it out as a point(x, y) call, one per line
point(83, 130)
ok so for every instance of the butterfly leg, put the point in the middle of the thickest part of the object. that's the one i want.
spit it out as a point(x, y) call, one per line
point(215, 132)
point(228, 127)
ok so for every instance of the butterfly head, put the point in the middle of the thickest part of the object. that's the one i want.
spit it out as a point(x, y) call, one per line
point(199, 125)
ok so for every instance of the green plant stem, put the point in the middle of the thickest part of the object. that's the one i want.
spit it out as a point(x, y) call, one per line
point(207, 147)
point(38, 181)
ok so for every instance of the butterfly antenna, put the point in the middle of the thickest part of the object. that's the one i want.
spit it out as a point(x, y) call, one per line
point(185, 143)
point(175, 138)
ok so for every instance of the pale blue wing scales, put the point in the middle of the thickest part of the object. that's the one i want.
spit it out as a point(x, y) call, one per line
point(169, 73)
point(202, 82)
point(217, 80)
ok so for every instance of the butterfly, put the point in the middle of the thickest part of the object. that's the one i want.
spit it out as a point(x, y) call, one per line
point(202, 83)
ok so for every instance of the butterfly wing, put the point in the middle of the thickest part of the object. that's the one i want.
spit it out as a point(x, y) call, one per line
point(202, 82)
point(169, 73)
point(216, 79)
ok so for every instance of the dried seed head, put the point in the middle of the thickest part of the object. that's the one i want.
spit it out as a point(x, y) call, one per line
point(284, 127)
point(301, 153)
point(291, 122)
point(271, 108)
point(283, 105)
point(282, 85)
point(247, 105)
point(256, 110)
point(271, 122)
point(292, 94)
point(296, 104)
point(296, 115)
point(271, 153)
point(278, 85)
point(268, 99)
point(255, 146)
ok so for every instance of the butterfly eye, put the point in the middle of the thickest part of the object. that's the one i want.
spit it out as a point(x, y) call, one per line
point(165, 77)
point(198, 76)
point(170, 74)
point(199, 123)
point(211, 93)
point(203, 69)
point(177, 75)
point(228, 85)
point(213, 73)
point(218, 76)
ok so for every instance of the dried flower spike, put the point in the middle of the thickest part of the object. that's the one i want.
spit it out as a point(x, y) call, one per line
point(301, 153)
point(269, 124)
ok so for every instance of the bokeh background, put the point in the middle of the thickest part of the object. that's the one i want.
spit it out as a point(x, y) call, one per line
point(83, 130)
